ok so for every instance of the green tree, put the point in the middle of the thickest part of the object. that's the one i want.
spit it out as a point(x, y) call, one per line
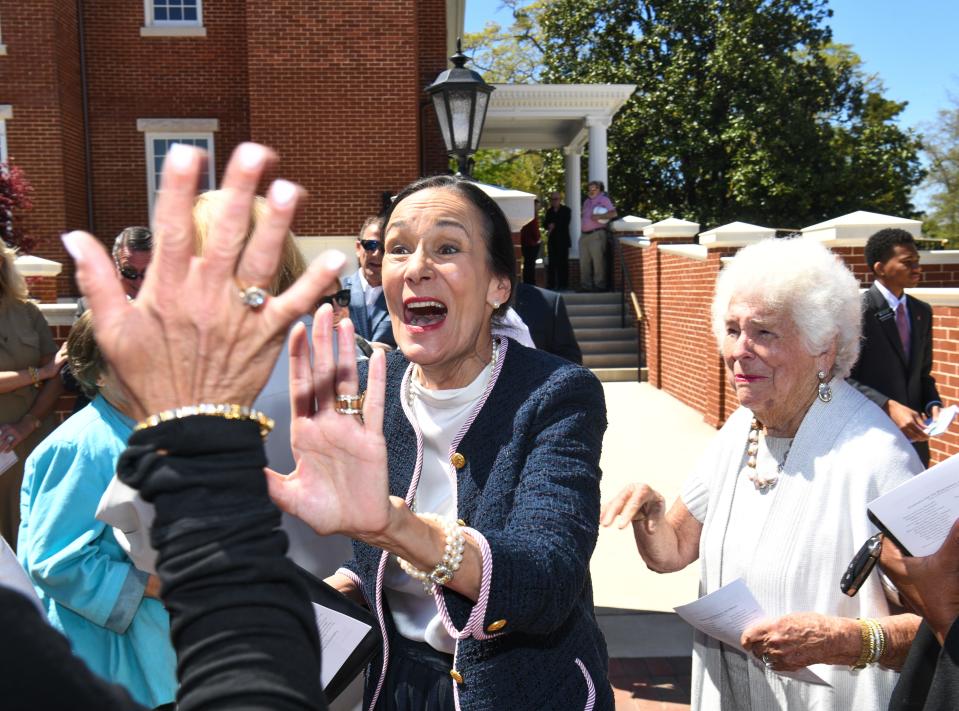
point(513, 55)
point(942, 150)
point(744, 109)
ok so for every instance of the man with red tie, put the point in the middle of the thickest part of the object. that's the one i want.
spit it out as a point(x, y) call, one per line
point(894, 367)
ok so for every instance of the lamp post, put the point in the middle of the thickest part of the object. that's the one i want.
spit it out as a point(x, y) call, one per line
point(460, 97)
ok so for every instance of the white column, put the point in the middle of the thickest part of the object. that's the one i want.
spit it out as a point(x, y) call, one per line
point(573, 158)
point(597, 148)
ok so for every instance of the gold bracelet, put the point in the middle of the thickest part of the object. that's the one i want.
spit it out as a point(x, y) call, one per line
point(868, 642)
point(228, 411)
point(34, 376)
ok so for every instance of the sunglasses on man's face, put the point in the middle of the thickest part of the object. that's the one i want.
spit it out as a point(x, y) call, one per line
point(371, 245)
point(341, 297)
point(132, 274)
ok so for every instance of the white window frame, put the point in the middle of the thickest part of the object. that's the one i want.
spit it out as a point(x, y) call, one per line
point(171, 130)
point(171, 28)
point(6, 113)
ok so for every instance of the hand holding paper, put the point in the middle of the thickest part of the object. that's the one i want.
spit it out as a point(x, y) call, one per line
point(727, 613)
point(941, 423)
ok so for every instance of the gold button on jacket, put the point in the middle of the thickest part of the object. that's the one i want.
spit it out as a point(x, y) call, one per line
point(458, 460)
point(457, 677)
point(496, 626)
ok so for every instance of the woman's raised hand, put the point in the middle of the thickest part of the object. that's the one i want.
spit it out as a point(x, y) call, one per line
point(188, 338)
point(340, 483)
point(635, 502)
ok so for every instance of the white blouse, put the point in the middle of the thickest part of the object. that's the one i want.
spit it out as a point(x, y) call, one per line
point(440, 414)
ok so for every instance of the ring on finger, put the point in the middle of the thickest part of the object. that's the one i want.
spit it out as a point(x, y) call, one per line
point(767, 662)
point(253, 296)
point(10, 438)
point(349, 404)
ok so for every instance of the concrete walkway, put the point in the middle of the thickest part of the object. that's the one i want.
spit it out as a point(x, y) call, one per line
point(655, 439)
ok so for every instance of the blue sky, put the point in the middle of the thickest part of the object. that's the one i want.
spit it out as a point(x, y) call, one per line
point(911, 46)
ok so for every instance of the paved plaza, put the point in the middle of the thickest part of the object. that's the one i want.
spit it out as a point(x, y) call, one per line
point(652, 438)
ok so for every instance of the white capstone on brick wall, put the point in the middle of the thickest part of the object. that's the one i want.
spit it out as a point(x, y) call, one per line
point(313, 247)
point(30, 266)
point(59, 314)
point(936, 296)
point(854, 229)
point(735, 234)
point(939, 256)
point(690, 251)
point(631, 224)
point(672, 227)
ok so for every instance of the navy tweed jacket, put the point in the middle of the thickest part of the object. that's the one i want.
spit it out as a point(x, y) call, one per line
point(530, 486)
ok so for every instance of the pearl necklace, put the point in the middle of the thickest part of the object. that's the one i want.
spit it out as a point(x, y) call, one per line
point(762, 484)
point(410, 395)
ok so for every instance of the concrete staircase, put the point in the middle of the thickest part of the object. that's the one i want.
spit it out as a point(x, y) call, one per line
point(609, 350)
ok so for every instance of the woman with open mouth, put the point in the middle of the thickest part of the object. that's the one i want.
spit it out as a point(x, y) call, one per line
point(470, 484)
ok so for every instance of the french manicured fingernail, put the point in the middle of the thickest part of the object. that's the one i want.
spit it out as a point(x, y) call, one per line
point(180, 157)
point(251, 155)
point(333, 260)
point(282, 192)
point(71, 242)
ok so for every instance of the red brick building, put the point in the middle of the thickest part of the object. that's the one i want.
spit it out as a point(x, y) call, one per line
point(92, 93)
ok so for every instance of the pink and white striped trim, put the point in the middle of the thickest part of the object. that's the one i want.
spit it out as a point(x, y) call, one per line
point(474, 625)
point(479, 610)
point(590, 689)
point(352, 576)
point(381, 618)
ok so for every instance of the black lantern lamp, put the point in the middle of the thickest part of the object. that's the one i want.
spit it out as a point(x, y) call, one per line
point(460, 97)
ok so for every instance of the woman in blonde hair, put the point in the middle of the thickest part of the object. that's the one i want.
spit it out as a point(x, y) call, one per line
point(29, 362)
point(292, 262)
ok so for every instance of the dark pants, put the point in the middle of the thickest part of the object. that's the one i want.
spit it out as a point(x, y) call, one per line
point(417, 678)
point(557, 274)
point(529, 264)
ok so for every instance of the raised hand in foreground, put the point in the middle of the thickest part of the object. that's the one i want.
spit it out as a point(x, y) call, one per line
point(189, 337)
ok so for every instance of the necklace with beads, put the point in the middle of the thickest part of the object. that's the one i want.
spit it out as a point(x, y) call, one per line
point(762, 484)
point(411, 395)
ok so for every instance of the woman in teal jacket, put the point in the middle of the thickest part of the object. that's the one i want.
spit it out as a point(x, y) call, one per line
point(88, 585)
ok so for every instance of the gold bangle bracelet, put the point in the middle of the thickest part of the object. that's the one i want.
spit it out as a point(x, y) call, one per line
point(227, 411)
point(34, 376)
point(868, 648)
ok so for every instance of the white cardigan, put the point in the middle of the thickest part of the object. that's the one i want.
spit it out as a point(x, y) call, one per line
point(845, 454)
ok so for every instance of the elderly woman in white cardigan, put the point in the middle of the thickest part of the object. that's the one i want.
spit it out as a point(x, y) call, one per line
point(779, 498)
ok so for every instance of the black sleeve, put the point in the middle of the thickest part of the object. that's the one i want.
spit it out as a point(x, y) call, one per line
point(565, 344)
point(240, 617)
point(928, 383)
point(40, 672)
point(930, 676)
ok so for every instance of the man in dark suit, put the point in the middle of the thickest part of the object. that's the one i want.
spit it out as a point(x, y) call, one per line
point(894, 367)
point(556, 221)
point(367, 303)
point(544, 314)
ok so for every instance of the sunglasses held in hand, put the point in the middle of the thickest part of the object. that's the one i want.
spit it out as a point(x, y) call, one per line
point(342, 298)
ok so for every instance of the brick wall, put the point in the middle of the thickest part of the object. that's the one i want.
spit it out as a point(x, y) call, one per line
point(39, 77)
point(336, 88)
point(945, 358)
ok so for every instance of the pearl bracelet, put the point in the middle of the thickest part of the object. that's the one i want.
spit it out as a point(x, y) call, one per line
point(443, 572)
